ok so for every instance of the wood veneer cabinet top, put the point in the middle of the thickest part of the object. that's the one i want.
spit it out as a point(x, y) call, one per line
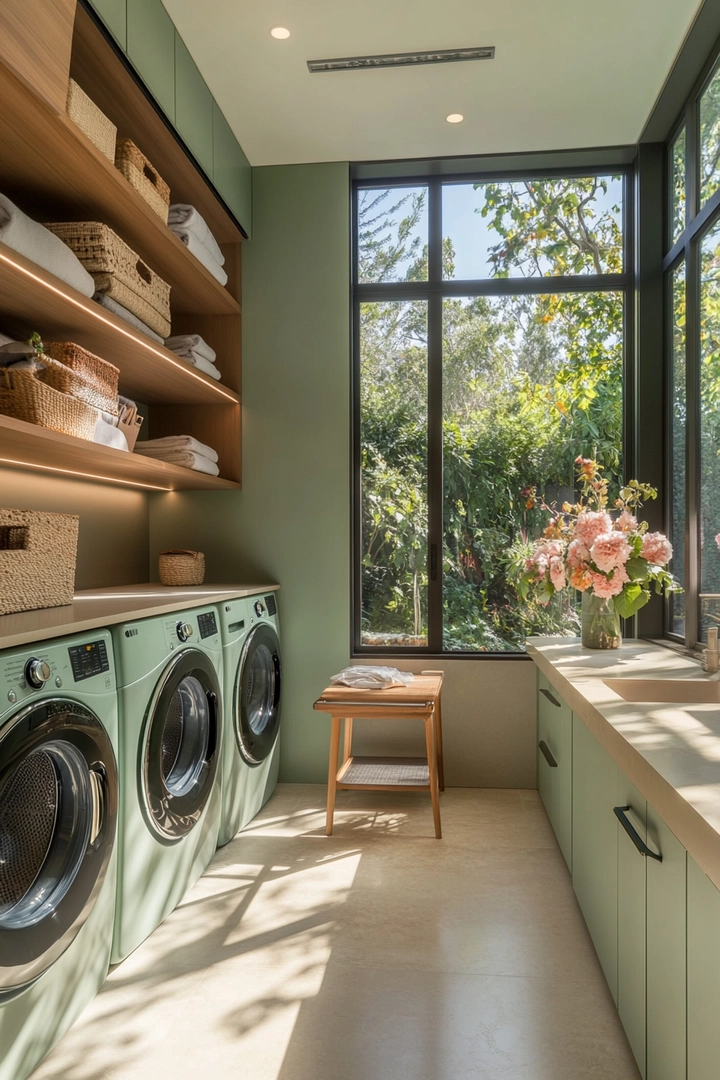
point(36, 44)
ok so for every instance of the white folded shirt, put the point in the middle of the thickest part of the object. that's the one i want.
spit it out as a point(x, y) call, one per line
point(175, 443)
point(371, 678)
point(187, 217)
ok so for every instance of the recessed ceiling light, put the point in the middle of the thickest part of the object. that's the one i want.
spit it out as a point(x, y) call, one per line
point(455, 118)
point(280, 33)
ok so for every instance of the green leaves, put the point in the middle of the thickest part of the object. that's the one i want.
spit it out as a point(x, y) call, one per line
point(631, 599)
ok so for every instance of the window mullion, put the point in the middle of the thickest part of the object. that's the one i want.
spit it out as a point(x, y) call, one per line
point(435, 419)
point(692, 508)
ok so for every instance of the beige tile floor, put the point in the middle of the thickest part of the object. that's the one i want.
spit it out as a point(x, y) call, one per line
point(377, 954)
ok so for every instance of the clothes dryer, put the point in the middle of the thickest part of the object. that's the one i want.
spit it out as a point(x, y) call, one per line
point(252, 666)
point(170, 701)
point(58, 826)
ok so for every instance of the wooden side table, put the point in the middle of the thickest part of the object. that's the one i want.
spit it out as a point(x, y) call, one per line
point(419, 701)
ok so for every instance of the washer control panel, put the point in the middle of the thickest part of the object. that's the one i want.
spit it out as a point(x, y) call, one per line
point(37, 672)
point(46, 668)
point(207, 624)
point(259, 608)
point(184, 630)
point(190, 628)
point(88, 660)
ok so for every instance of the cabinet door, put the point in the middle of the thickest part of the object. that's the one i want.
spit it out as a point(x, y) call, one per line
point(594, 845)
point(555, 763)
point(231, 171)
point(631, 919)
point(193, 108)
point(703, 975)
point(114, 14)
point(666, 953)
point(151, 50)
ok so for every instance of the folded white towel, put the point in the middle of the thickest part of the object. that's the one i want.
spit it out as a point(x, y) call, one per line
point(184, 344)
point(204, 365)
point(201, 253)
point(185, 458)
point(188, 218)
point(107, 434)
point(371, 678)
point(173, 443)
point(122, 313)
point(38, 244)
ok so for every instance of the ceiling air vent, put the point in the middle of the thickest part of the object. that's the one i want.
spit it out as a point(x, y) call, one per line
point(434, 56)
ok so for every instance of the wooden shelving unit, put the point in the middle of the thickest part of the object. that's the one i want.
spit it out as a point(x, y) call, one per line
point(52, 170)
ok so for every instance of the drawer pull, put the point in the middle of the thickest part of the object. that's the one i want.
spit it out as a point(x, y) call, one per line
point(549, 696)
point(639, 843)
point(547, 754)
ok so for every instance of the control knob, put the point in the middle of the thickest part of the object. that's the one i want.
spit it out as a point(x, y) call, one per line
point(37, 673)
point(259, 608)
point(184, 630)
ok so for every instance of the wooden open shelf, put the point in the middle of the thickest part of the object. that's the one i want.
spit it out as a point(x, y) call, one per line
point(24, 446)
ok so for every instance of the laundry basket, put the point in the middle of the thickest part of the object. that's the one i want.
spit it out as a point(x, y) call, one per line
point(100, 379)
point(38, 552)
point(83, 111)
point(24, 397)
point(181, 567)
point(143, 176)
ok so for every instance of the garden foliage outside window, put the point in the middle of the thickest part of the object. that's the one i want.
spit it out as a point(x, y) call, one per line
point(489, 355)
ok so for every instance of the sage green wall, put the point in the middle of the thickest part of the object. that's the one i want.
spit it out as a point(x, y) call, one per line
point(290, 523)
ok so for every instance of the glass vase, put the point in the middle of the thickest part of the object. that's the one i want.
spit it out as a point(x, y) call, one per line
point(600, 622)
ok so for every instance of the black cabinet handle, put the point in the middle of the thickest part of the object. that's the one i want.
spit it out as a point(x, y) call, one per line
point(547, 754)
point(639, 843)
point(551, 699)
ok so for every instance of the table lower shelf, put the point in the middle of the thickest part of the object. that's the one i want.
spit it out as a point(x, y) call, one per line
point(384, 774)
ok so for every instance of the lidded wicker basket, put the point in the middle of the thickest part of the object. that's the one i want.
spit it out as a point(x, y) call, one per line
point(83, 111)
point(24, 397)
point(38, 553)
point(180, 566)
point(142, 175)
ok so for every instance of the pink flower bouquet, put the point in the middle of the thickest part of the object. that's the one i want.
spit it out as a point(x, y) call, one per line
point(590, 550)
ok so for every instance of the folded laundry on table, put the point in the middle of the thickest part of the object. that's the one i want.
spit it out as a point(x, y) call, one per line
point(201, 253)
point(185, 458)
point(173, 443)
point(371, 678)
point(184, 217)
point(122, 313)
point(35, 242)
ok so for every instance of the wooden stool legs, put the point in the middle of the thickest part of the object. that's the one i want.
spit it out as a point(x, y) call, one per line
point(430, 737)
point(332, 772)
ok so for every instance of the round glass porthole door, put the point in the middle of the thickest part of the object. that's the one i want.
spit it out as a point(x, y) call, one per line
point(258, 689)
point(58, 812)
point(181, 745)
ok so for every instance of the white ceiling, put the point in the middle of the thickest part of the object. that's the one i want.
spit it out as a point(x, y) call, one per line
point(567, 73)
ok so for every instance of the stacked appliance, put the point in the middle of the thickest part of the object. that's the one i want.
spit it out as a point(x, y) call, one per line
point(58, 818)
point(252, 667)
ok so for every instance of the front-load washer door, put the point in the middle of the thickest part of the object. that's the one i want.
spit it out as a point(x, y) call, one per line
point(58, 818)
point(179, 753)
point(257, 694)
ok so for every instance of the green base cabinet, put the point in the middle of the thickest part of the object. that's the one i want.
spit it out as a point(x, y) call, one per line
point(595, 848)
point(631, 928)
point(703, 975)
point(554, 763)
point(151, 50)
point(114, 14)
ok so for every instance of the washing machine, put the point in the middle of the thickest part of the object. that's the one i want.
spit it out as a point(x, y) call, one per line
point(58, 827)
point(252, 666)
point(170, 713)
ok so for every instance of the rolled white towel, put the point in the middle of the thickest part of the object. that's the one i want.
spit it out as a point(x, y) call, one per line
point(106, 434)
point(35, 242)
point(173, 443)
point(186, 458)
point(201, 253)
point(187, 217)
point(184, 344)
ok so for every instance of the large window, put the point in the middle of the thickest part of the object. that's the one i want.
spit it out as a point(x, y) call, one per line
point(489, 348)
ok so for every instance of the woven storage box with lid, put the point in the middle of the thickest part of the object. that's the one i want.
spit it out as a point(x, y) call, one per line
point(24, 397)
point(38, 553)
point(146, 180)
point(85, 113)
point(99, 377)
point(181, 567)
point(118, 272)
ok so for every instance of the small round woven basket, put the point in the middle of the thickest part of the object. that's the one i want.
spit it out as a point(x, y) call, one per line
point(181, 567)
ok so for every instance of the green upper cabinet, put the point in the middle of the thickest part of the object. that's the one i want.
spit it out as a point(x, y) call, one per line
point(231, 171)
point(193, 108)
point(151, 50)
point(114, 14)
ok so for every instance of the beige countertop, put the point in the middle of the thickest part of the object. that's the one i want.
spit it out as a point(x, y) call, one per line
point(94, 608)
point(670, 752)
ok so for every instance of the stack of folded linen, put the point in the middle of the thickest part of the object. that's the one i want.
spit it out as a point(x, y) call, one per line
point(122, 313)
point(190, 227)
point(195, 350)
point(181, 450)
point(38, 244)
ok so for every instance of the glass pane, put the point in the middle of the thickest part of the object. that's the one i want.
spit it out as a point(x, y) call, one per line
point(392, 234)
point(709, 428)
point(677, 528)
point(710, 138)
point(529, 383)
point(677, 190)
point(394, 472)
point(533, 228)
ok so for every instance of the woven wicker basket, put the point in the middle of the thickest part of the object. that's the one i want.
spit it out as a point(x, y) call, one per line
point(101, 377)
point(38, 553)
point(85, 113)
point(139, 172)
point(118, 272)
point(67, 381)
point(181, 567)
point(24, 397)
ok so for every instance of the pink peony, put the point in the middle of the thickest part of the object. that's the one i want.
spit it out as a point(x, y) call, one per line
point(657, 549)
point(591, 524)
point(557, 572)
point(717, 540)
point(610, 550)
point(577, 554)
point(609, 586)
point(626, 522)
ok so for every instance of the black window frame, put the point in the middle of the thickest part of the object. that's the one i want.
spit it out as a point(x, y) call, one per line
point(434, 291)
